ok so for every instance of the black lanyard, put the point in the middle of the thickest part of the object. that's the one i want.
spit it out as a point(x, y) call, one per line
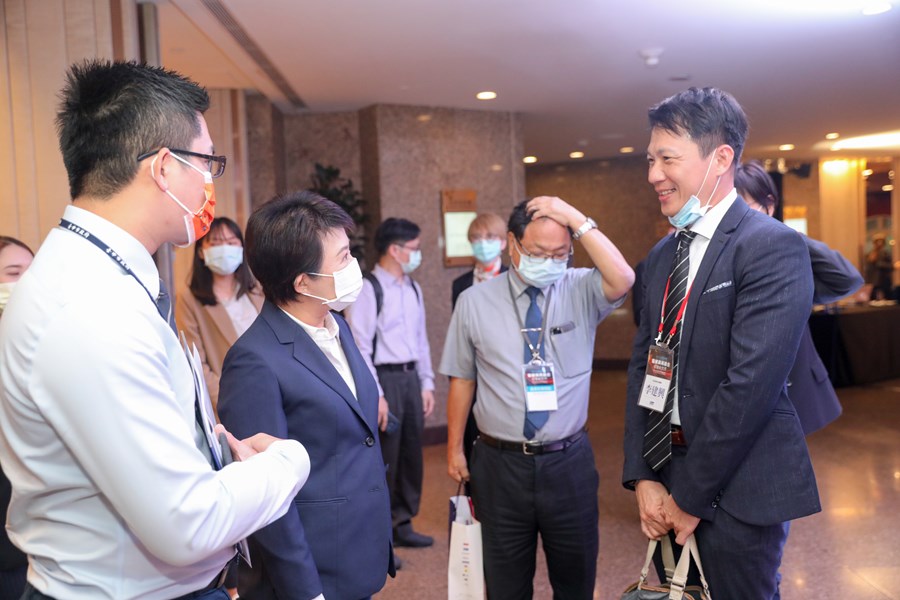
point(112, 254)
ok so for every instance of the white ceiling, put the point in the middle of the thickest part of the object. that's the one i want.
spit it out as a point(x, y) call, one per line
point(800, 68)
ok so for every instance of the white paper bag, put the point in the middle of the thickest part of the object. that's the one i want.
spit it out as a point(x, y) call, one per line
point(465, 571)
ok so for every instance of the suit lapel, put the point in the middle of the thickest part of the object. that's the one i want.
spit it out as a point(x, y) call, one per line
point(306, 352)
point(656, 284)
point(714, 250)
point(360, 373)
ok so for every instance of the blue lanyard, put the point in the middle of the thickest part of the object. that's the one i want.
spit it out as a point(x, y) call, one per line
point(112, 254)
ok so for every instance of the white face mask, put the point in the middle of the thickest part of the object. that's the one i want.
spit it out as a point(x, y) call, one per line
point(348, 283)
point(6, 289)
point(223, 259)
point(539, 272)
point(415, 259)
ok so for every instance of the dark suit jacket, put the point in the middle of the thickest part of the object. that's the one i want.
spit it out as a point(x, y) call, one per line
point(337, 537)
point(809, 388)
point(464, 282)
point(749, 304)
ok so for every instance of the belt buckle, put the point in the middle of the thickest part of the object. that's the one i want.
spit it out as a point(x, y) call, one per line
point(527, 448)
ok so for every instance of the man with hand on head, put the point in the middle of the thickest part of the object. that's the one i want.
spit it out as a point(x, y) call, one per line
point(713, 444)
point(527, 337)
point(114, 495)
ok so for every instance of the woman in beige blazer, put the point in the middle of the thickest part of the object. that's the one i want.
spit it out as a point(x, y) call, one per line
point(223, 298)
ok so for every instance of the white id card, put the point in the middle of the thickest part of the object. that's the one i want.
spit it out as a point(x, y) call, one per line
point(540, 386)
point(657, 378)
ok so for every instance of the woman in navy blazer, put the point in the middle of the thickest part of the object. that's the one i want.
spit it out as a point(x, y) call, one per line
point(834, 277)
point(297, 373)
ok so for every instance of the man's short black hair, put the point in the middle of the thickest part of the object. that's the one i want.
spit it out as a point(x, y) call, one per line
point(709, 116)
point(519, 219)
point(284, 240)
point(111, 112)
point(394, 231)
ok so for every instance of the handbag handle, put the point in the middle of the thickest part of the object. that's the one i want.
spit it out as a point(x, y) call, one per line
point(679, 578)
point(668, 558)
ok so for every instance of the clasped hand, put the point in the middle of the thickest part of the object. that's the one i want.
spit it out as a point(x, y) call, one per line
point(660, 514)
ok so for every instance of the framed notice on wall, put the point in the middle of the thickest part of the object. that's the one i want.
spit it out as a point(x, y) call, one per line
point(458, 210)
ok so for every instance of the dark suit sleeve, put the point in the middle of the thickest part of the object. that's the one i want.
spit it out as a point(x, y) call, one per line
point(774, 290)
point(250, 402)
point(637, 293)
point(834, 275)
point(636, 467)
point(460, 284)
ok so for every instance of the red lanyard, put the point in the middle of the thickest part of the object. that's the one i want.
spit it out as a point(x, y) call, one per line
point(678, 317)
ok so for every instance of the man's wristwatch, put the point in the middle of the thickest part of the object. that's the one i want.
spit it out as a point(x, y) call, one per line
point(585, 227)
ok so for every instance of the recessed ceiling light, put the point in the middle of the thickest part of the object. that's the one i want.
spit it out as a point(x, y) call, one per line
point(626, 149)
point(867, 172)
point(496, 167)
point(887, 188)
point(832, 136)
point(576, 154)
point(786, 147)
point(529, 160)
point(889, 139)
point(486, 95)
point(423, 118)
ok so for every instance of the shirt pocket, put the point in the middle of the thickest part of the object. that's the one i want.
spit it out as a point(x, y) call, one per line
point(573, 350)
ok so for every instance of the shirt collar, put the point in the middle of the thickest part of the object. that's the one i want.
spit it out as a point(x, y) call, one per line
point(707, 224)
point(318, 334)
point(123, 243)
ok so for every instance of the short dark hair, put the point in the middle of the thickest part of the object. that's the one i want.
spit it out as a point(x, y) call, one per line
point(709, 116)
point(111, 112)
point(751, 179)
point(284, 239)
point(202, 278)
point(393, 230)
point(5, 241)
point(519, 219)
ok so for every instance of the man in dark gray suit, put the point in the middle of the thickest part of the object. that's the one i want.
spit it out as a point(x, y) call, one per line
point(718, 450)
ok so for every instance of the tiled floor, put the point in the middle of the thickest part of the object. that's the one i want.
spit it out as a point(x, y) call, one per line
point(850, 550)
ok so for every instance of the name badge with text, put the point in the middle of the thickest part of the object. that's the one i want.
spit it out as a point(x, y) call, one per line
point(540, 386)
point(657, 379)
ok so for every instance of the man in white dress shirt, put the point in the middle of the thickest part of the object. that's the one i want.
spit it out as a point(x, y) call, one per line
point(113, 494)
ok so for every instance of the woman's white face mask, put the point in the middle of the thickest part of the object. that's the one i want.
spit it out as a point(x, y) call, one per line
point(348, 283)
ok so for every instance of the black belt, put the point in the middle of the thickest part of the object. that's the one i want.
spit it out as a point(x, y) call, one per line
point(531, 448)
point(410, 366)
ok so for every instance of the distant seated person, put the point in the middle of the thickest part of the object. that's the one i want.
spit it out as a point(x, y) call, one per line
point(487, 234)
point(834, 277)
point(297, 371)
point(222, 301)
point(15, 258)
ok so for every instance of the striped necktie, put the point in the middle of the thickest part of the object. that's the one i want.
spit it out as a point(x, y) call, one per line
point(658, 437)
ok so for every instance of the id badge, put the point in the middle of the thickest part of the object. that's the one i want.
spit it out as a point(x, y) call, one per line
point(657, 378)
point(540, 386)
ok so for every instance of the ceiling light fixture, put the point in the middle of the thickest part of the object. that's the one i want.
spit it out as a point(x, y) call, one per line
point(887, 188)
point(876, 8)
point(576, 154)
point(886, 140)
point(867, 172)
point(650, 56)
point(832, 136)
point(486, 95)
point(786, 147)
point(529, 160)
point(626, 149)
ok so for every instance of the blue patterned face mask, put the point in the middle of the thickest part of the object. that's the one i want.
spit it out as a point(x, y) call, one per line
point(691, 212)
point(485, 251)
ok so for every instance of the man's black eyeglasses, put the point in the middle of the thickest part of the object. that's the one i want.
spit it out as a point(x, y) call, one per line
point(214, 164)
